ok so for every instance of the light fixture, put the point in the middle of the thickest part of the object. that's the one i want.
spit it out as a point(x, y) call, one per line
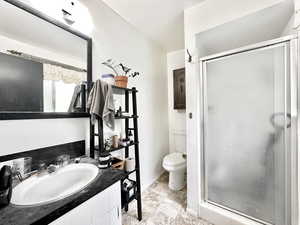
point(67, 12)
point(72, 12)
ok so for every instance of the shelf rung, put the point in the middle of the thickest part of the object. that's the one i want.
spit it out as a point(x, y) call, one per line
point(128, 173)
point(126, 117)
point(119, 148)
point(129, 200)
point(132, 198)
point(124, 89)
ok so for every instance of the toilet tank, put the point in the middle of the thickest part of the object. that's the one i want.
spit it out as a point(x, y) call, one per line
point(179, 142)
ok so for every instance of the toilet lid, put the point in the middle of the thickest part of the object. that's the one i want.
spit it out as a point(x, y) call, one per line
point(174, 159)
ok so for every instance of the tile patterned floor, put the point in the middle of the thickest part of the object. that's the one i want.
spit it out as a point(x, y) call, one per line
point(161, 206)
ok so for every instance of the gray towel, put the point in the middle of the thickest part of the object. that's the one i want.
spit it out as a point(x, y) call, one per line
point(101, 103)
point(75, 105)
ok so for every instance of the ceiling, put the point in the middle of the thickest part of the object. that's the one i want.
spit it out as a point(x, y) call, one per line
point(160, 20)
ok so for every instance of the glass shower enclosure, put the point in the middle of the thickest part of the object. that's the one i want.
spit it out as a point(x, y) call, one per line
point(249, 122)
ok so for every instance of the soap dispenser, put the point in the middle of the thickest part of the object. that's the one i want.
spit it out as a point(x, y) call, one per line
point(5, 185)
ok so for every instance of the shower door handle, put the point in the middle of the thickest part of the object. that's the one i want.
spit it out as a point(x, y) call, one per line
point(276, 124)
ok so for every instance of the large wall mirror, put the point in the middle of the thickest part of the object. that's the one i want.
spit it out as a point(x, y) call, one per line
point(45, 66)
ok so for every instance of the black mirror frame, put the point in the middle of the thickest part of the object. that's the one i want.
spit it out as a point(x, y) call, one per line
point(52, 115)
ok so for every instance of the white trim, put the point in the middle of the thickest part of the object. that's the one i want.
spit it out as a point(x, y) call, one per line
point(179, 132)
point(294, 75)
point(250, 47)
point(256, 49)
point(219, 216)
point(191, 212)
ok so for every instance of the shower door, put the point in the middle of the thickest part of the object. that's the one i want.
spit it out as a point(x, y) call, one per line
point(247, 132)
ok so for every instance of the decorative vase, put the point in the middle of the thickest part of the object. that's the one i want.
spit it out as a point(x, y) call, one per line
point(121, 81)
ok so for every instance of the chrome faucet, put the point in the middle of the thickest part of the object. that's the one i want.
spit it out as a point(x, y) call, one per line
point(52, 168)
point(43, 168)
point(17, 174)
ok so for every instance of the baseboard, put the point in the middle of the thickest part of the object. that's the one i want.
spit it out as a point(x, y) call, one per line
point(192, 212)
point(146, 186)
point(219, 216)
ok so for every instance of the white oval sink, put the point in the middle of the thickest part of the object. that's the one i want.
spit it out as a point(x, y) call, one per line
point(68, 180)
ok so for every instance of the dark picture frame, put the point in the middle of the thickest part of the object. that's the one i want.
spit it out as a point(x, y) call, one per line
point(52, 115)
point(179, 88)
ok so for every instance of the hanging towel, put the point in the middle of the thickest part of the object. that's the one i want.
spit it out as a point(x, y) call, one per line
point(75, 105)
point(101, 103)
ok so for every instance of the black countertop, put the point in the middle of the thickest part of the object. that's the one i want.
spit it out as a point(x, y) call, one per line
point(45, 214)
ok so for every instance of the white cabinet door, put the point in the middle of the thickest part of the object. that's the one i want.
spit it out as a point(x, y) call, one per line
point(116, 217)
point(107, 210)
point(63, 220)
point(111, 217)
point(103, 209)
point(103, 218)
point(81, 215)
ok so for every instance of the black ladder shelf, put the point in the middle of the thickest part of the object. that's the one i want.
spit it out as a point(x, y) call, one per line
point(126, 92)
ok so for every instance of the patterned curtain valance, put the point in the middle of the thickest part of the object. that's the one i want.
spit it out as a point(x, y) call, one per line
point(57, 73)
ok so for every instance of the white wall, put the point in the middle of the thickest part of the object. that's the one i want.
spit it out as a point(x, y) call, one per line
point(297, 14)
point(116, 39)
point(260, 26)
point(202, 17)
point(112, 38)
point(289, 29)
point(24, 135)
point(177, 120)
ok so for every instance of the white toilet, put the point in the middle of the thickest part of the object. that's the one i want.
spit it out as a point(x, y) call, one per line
point(175, 164)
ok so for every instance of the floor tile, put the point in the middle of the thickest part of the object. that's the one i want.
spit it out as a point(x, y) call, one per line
point(162, 206)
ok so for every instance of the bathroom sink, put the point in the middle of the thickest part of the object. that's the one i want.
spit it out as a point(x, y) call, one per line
point(38, 190)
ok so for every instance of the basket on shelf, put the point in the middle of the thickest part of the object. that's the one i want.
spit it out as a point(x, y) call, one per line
point(121, 81)
point(118, 163)
point(128, 193)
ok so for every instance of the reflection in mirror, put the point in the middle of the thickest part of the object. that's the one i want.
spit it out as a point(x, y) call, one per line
point(43, 68)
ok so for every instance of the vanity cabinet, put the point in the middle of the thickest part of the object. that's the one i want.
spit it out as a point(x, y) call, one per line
point(102, 209)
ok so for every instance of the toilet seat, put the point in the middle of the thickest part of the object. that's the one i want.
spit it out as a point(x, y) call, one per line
point(174, 160)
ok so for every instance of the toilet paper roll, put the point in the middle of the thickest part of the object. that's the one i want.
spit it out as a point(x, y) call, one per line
point(129, 164)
